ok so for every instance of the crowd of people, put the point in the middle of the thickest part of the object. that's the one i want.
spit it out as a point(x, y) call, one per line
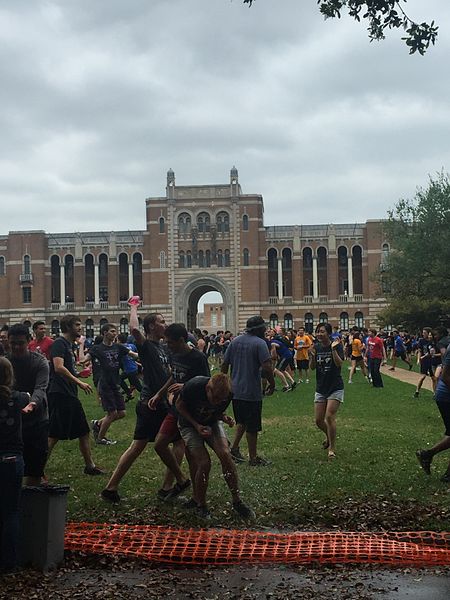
point(181, 407)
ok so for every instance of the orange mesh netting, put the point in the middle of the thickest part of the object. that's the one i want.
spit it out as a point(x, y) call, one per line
point(221, 546)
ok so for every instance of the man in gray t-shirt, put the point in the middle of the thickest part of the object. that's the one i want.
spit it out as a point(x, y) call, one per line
point(249, 358)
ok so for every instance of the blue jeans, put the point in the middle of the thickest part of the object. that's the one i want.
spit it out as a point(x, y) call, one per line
point(11, 473)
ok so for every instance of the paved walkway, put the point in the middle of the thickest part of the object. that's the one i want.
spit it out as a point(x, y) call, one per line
point(407, 377)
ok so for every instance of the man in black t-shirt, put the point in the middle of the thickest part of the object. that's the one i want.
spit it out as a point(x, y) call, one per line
point(67, 417)
point(109, 355)
point(326, 358)
point(426, 351)
point(201, 405)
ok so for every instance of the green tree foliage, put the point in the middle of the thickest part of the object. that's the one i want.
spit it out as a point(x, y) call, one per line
point(416, 274)
point(381, 15)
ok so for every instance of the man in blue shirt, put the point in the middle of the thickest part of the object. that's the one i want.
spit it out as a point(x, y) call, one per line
point(399, 351)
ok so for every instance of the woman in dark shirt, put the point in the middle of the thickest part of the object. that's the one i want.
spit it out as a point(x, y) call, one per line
point(12, 404)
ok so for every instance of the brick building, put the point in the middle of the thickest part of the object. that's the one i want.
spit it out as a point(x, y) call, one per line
point(197, 239)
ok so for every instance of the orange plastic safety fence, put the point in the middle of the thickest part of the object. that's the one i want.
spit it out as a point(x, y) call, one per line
point(221, 546)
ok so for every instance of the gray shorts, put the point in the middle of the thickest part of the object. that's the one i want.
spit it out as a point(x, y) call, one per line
point(194, 440)
point(336, 395)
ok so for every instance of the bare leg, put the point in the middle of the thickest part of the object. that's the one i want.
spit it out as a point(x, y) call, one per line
point(240, 430)
point(330, 422)
point(202, 466)
point(319, 412)
point(171, 458)
point(252, 441)
point(229, 470)
point(106, 422)
point(85, 449)
point(125, 462)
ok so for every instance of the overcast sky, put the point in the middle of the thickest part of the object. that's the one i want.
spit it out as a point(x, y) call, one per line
point(100, 98)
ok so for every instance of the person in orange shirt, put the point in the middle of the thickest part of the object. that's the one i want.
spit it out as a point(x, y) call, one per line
point(302, 344)
point(357, 356)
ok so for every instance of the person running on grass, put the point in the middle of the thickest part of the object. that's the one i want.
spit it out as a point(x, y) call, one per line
point(109, 355)
point(399, 351)
point(357, 359)
point(426, 352)
point(376, 356)
point(67, 417)
point(201, 407)
point(442, 397)
point(156, 371)
point(326, 358)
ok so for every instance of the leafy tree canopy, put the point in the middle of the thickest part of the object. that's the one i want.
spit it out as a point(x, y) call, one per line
point(416, 273)
point(381, 15)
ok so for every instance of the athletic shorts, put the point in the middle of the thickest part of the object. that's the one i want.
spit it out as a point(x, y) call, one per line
point(194, 440)
point(35, 449)
point(67, 417)
point(283, 364)
point(444, 409)
point(303, 365)
point(169, 427)
point(401, 355)
point(111, 398)
point(357, 359)
point(248, 413)
point(336, 395)
point(148, 421)
point(426, 368)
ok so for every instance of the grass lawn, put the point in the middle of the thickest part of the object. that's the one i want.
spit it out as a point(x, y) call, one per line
point(375, 482)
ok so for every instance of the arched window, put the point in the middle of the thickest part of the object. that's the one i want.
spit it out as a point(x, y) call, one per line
point(246, 257)
point(203, 222)
point(181, 259)
point(287, 271)
point(89, 328)
point(323, 317)
point(27, 324)
point(288, 321)
point(184, 223)
point(27, 265)
point(343, 321)
point(342, 270)
point(103, 277)
point(188, 259)
point(385, 254)
point(357, 270)
point(54, 328)
point(103, 321)
point(219, 258)
point(88, 277)
point(162, 225)
point(137, 274)
point(123, 277)
point(272, 265)
point(273, 320)
point(322, 271)
point(227, 258)
point(55, 274)
point(162, 260)
point(245, 223)
point(309, 322)
point(223, 222)
point(359, 319)
point(208, 258)
point(201, 258)
point(69, 278)
point(2, 266)
point(123, 326)
point(308, 285)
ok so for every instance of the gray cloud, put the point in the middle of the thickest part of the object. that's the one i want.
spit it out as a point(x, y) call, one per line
point(100, 98)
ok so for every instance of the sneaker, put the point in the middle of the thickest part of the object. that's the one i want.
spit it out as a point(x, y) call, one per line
point(95, 429)
point(287, 388)
point(293, 385)
point(243, 510)
point(164, 494)
point(105, 442)
point(446, 477)
point(301, 381)
point(425, 460)
point(349, 381)
point(307, 381)
point(110, 496)
point(416, 394)
point(237, 456)
point(259, 462)
point(202, 512)
point(178, 488)
point(93, 470)
point(391, 369)
point(410, 367)
point(189, 504)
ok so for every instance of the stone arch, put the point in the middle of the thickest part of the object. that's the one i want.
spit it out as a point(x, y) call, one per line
point(188, 295)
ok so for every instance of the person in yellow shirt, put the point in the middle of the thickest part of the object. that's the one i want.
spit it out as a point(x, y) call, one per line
point(357, 358)
point(302, 344)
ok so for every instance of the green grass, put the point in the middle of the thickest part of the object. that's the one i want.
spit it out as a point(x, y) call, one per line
point(375, 482)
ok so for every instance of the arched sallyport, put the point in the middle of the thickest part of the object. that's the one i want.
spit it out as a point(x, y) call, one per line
point(187, 297)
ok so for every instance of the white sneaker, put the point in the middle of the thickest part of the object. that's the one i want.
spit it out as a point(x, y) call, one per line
point(307, 381)
point(349, 381)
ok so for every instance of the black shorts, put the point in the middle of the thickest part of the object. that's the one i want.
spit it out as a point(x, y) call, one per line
point(248, 413)
point(283, 364)
point(401, 355)
point(35, 449)
point(67, 417)
point(148, 422)
point(357, 359)
point(303, 365)
point(112, 399)
point(444, 409)
point(426, 368)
